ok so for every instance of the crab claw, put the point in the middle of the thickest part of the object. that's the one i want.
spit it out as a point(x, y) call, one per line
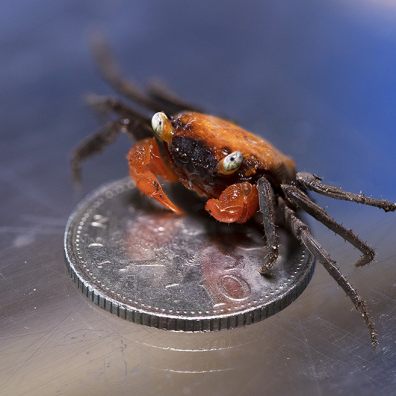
point(145, 164)
point(236, 204)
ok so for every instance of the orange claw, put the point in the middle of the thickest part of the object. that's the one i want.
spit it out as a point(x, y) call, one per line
point(145, 164)
point(236, 204)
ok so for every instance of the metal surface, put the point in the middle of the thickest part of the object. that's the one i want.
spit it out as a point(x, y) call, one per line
point(316, 78)
point(172, 272)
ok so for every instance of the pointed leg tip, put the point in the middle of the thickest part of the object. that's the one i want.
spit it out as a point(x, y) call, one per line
point(390, 208)
point(374, 340)
point(76, 176)
point(266, 269)
point(364, 261)
point(266, 272)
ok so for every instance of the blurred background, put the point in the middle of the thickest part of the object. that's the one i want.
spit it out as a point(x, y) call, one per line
point(315, 78)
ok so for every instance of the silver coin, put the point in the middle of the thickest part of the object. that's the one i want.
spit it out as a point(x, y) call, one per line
point(190, 273)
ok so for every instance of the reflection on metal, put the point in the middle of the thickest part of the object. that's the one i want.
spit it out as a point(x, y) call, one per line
point(187, 273)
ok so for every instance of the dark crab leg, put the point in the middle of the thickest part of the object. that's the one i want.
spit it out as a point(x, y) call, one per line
point(302, 233)
point(107, 104)
point(267, 209)
point(314, 183)
point(96, 142)
point(157, 99)
point(112, 75)
point(162, 95)
point(298, 198)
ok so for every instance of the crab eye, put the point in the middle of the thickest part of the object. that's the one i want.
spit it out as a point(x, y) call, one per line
point(230, 163)
point(162, 127)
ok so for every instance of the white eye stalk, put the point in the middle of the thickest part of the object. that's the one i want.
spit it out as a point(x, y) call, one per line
point(162, 127)
point(231, 163)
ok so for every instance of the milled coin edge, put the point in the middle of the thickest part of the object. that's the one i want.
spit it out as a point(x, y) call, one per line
point(168, 321)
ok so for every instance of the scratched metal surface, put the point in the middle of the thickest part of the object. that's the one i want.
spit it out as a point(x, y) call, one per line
point(317, 77)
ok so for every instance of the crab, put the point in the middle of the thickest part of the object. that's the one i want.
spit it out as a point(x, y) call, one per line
point(238, 174)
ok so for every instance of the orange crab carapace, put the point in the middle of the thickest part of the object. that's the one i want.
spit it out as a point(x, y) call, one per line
point(215, 158)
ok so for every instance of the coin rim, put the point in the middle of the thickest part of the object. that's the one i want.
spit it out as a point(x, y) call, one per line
point(178, 322)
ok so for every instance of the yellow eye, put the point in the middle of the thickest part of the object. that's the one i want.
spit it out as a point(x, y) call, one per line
point(230, 163)
point(162, 127)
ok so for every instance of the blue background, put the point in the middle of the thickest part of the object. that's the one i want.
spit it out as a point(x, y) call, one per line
point(317, 78)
